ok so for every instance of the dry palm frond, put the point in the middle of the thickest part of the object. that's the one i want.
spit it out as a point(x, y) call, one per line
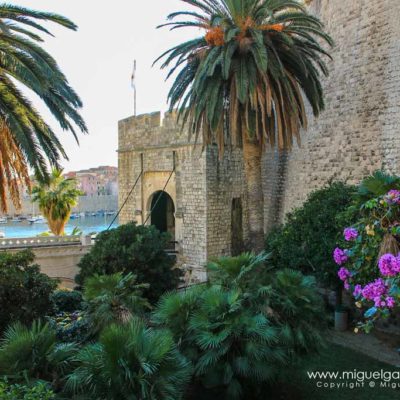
point(389, 245)
point(14, 172)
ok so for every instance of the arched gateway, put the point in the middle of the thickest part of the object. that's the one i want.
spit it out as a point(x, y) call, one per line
point(162, 211)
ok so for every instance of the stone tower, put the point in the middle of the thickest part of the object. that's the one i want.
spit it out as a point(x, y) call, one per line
point(358, 133)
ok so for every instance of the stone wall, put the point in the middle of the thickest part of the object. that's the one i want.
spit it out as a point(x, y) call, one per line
point(359, 130)
point(59, 262)
point(159, 148)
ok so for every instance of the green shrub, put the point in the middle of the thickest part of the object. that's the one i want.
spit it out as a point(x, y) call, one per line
point(67, 300)
point(24, 291)
point(131, 362)
point(306, 241)
point(33, 354)
point(38, 391)
point(113, 299)
point(136, 249)
point(72, 327)
point(245, 327)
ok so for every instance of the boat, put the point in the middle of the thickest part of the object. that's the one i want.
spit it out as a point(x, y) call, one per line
point(3, 220)
point(36, 219)
point(2, 235)
point(16, 219)
point(75, 216)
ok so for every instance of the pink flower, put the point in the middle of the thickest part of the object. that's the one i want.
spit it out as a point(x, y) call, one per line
point(389, 265)
point(393, 196)
point(344, 274)
point(346, 285)
point(390, 302)
point(357, 290)
point(340, 256)
point(350, 234)
point(374, 290)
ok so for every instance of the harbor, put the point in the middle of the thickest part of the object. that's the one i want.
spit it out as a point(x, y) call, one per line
point(29, 226)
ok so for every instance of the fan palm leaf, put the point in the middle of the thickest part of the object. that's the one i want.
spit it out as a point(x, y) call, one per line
point(131, 362)
point(245, 80)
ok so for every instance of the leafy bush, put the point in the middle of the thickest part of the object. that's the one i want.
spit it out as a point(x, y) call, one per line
point(245, 327)
point(131, 361)
point(72, 327)
point(38, 391)
point(136, 249)
point(370, 262)
point(306, 240)
point(24, 291)
point(67, 300)
point(34, 354)
point(113, 299)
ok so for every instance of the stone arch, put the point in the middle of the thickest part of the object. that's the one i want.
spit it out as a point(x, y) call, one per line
point(161, 208)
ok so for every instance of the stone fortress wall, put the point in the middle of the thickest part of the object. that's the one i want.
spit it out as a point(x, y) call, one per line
point(359, 131)
point(356, 134)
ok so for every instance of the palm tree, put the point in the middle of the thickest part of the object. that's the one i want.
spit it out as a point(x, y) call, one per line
point(131, 362)
point(113, 298)
point(26, 139)
point(243, 82)
point(56, 198)
point(34, 354)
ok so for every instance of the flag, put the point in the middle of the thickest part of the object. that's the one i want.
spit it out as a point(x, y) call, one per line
point(133, 76)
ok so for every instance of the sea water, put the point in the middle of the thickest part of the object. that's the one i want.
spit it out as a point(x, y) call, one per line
point(89, 224)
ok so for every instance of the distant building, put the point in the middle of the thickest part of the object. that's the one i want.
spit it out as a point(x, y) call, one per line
point(100, 181)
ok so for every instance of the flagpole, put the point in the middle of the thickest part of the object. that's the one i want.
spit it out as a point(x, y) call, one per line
point(133, 84)
point(134, 67)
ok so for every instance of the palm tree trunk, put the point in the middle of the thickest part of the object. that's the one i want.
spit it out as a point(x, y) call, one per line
point(252, 154)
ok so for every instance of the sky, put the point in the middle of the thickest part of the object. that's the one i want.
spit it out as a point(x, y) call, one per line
point(98, 62)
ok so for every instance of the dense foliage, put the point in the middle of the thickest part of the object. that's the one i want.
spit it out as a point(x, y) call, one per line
point(31, 354)
point(114, 298)
point(136, 249)
point(24, 291)
point(245, 327)
point(305, 241)
point(131, 362)
point(72, 327)
point(38, 391)
point(26, 67)
point(67, 300)
point(370, 260)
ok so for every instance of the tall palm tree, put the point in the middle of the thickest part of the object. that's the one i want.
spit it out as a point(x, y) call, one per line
point(243, 81)
point(56, 197)
point(26, 139)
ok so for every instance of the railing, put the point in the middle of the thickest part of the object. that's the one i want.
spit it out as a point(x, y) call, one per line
point(39, 241)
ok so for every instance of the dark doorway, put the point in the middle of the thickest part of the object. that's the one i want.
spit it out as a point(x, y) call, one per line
point(162, 214)
point(237, 246)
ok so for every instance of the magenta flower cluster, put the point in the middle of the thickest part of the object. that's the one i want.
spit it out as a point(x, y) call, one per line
point(344, 274)
point(376, 291)
point(393, 196)
point(389, 265)
point(340, 256)
point(350, 234)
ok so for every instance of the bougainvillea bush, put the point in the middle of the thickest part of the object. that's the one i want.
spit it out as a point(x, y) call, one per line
point(369, 258)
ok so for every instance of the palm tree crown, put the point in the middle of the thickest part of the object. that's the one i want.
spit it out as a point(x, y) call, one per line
point(249, 71)
point(25, 64)
point(56, 198)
